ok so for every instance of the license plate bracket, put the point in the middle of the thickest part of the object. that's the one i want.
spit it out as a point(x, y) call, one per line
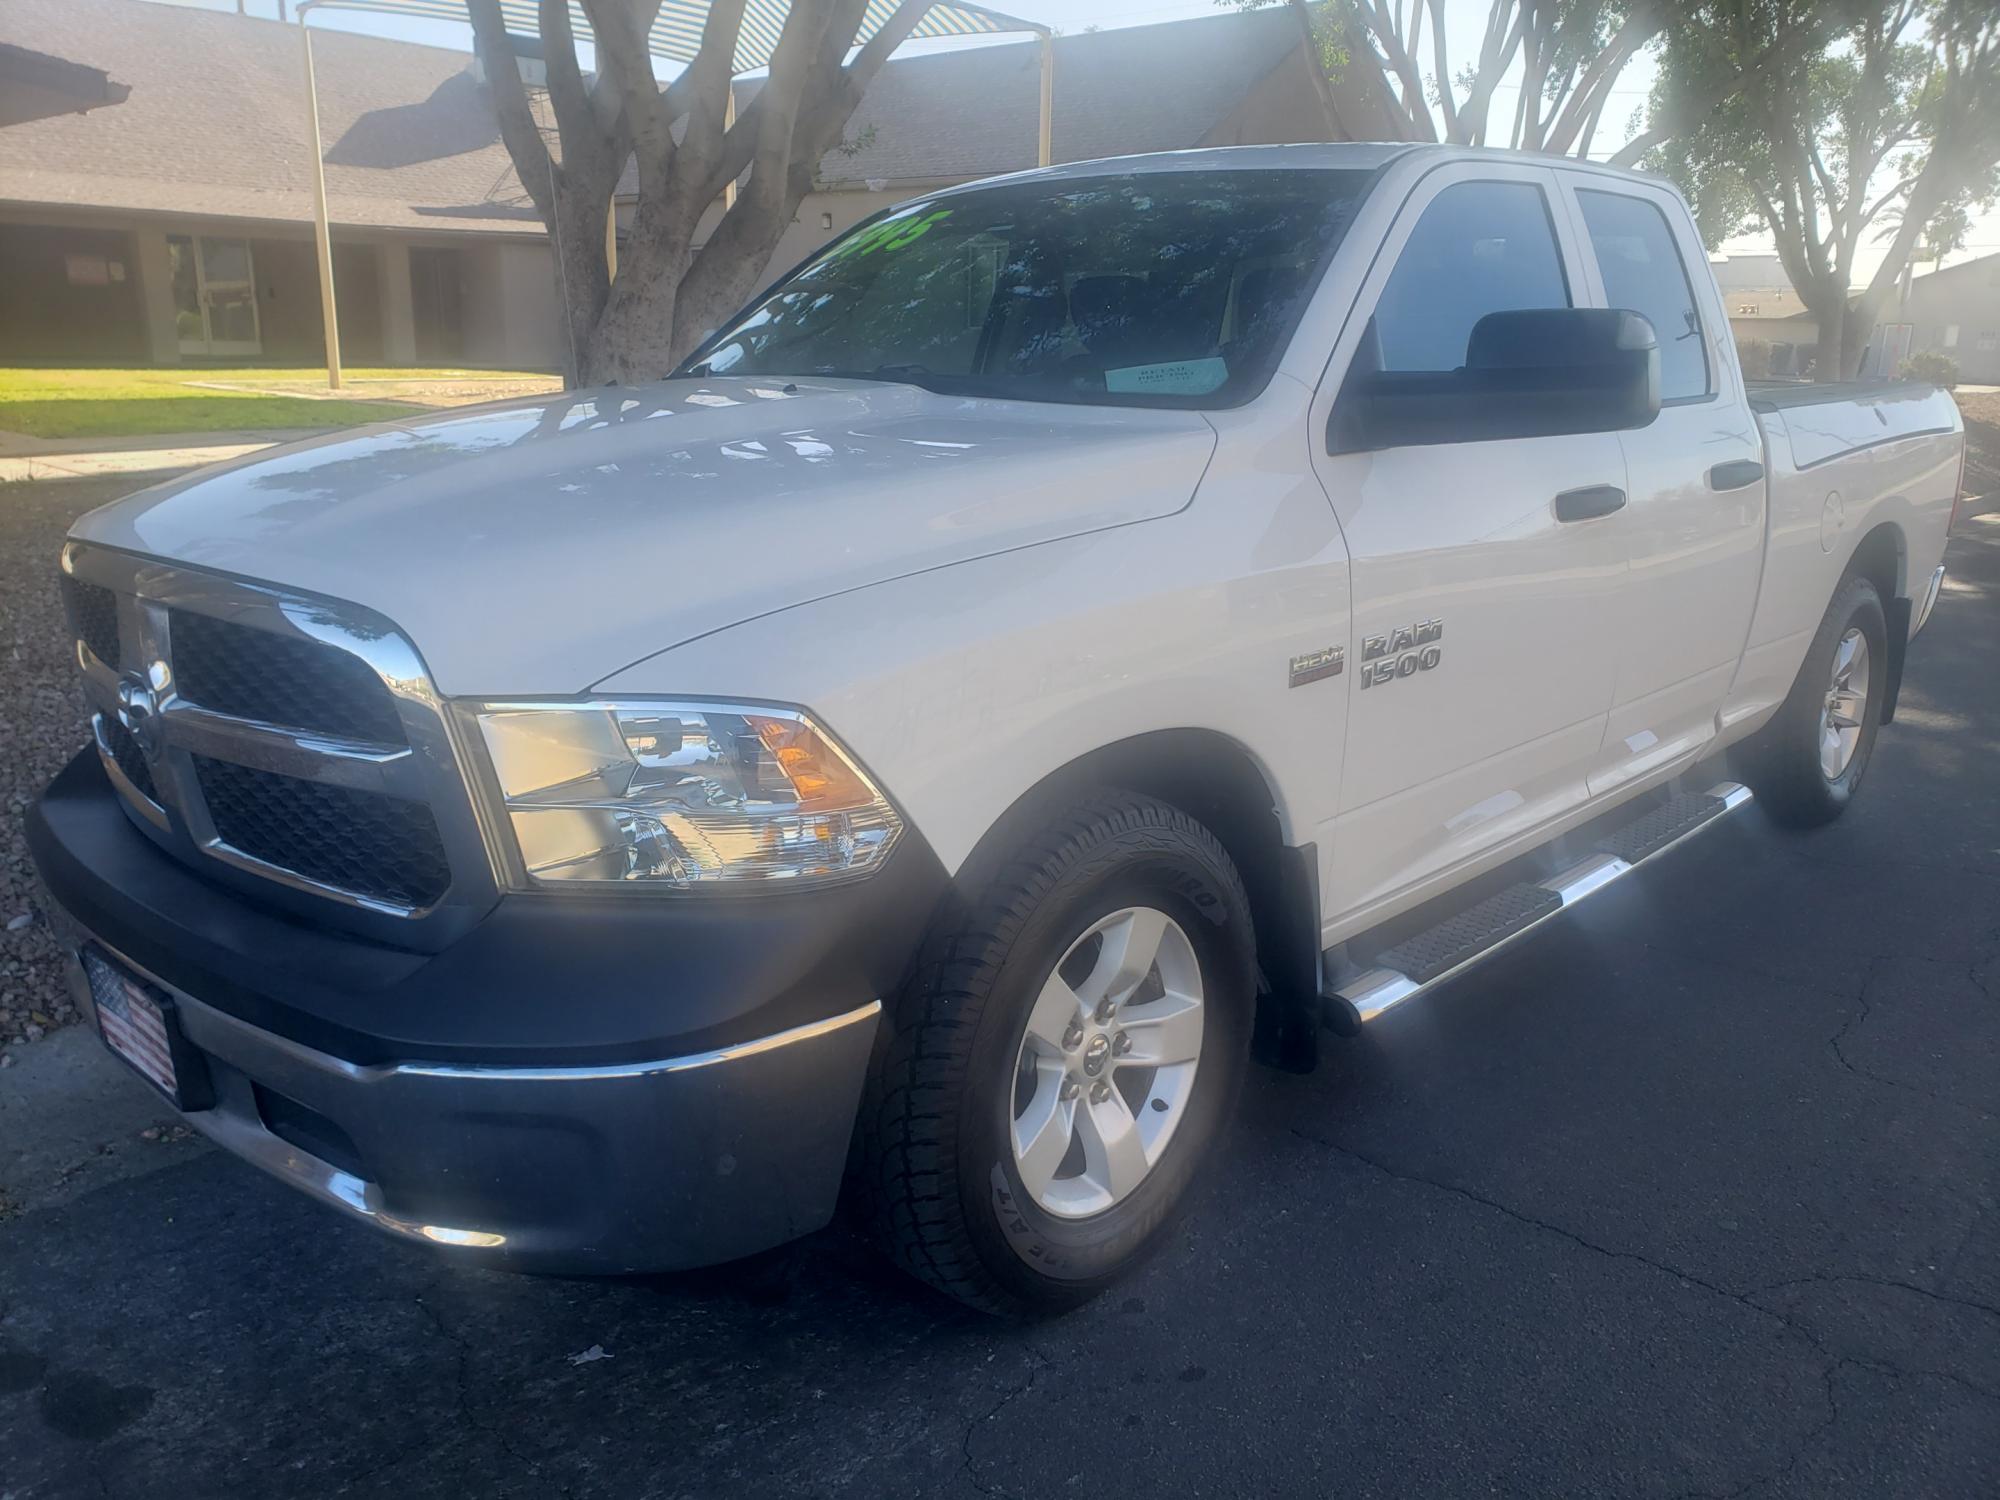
point(140, 1024)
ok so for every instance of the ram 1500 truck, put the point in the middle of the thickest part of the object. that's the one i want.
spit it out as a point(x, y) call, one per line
point(1074, 633)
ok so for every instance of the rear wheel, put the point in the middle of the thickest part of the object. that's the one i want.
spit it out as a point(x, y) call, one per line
point(1807, 763)
point(1072, 1045)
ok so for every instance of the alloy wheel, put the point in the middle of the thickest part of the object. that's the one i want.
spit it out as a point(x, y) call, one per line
point(1846, 706)
point(1107, 1062)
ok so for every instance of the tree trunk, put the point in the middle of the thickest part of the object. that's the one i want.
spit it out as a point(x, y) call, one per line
point(1855, 333)
point(1832, 319)
point(582, 278)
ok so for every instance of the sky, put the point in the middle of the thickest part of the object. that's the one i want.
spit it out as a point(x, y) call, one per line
point(1465, 20)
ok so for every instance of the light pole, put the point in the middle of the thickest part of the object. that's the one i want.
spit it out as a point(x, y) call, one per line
point(322, 231)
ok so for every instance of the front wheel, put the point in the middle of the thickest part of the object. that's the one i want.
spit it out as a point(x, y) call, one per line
point(1807, 763)
point(1070, 1048)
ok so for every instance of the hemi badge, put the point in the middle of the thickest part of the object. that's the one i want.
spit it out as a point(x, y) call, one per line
point(1325, 662)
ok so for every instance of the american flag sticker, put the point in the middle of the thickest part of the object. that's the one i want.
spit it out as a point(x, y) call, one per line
point(132, 1022)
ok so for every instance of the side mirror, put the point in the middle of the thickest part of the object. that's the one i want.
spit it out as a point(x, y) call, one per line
point(1539, 372)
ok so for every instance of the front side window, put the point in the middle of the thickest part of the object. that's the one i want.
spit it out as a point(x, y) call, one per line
point(1643, 273)
point(1156, 288)
point(1480, 247)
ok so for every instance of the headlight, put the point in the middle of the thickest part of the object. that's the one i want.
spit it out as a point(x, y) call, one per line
point(684, 796)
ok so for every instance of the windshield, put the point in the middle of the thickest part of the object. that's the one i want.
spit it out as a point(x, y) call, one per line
point(1156, 288)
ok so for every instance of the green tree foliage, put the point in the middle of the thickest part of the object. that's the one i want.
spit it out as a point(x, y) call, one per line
point(1867, 122)
point(1933, 365)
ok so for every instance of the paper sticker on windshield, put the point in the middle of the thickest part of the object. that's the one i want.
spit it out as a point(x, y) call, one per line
point(890, 234)
point(1180, 377)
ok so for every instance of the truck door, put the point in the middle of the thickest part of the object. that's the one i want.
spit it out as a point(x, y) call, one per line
point(1482, 646)
point(1694, 517)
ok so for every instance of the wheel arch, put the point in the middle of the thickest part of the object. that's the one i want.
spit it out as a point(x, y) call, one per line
point(1882, 556)
point(1217, 780)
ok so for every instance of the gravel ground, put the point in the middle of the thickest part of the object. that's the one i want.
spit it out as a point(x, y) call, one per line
point(41, 724)
point(1982, 431)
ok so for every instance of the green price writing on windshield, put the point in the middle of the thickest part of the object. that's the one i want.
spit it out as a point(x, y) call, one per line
point(890, 234)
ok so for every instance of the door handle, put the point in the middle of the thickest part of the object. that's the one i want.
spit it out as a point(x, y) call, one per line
point(1590, 502)
point(1735, 474)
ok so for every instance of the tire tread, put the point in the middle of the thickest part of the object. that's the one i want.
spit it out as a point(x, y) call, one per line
point(906, 1141)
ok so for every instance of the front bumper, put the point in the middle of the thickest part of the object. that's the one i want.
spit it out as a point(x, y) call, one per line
point(717, 1127)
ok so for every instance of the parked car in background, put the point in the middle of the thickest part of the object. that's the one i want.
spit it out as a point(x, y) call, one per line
point(1075, 627)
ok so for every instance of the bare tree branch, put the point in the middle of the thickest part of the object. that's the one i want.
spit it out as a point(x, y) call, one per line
point(1447, 104)
point(518, 130)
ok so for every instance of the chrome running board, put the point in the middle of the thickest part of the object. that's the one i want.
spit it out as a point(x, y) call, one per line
point(1430, 958)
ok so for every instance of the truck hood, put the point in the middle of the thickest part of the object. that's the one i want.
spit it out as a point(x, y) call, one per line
point(538, 546)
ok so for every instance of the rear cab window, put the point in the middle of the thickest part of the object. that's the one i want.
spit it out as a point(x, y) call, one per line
point(1643, 272)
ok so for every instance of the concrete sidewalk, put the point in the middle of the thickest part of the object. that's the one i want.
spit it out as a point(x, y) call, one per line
point(24, 457)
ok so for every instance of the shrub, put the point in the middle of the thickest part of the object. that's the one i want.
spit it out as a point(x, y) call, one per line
point(1929, 364)
point(1755, 357)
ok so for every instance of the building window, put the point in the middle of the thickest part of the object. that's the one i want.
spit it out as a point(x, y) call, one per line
point(1951, 335)
point(1988, 341)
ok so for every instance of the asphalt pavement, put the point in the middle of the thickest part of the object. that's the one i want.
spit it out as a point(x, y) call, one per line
point(1694, 1193)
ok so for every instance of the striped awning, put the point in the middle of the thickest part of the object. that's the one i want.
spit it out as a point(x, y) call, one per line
point(677, 31)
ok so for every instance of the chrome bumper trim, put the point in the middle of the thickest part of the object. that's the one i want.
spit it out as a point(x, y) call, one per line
point(684, 1064)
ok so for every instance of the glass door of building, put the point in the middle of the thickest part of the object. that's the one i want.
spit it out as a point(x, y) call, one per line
point(215, 295)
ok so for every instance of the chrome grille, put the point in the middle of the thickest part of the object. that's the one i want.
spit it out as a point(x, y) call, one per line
point(93, 615)
point(275, 679)
point(357, 841)
point(116, 743)
point(289, 745)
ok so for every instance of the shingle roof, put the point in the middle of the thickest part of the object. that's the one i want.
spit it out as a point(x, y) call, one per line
point(215, 122)
point(976, 112)
point(950, 116)
point(215, 125)
point(34, 86)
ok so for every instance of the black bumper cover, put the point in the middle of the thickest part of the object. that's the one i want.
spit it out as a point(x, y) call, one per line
point(603, 1082)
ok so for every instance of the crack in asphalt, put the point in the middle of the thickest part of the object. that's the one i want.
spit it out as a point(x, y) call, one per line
point(424, 1441)
point(496, 1430)
point(1832, 1362)
point(968, 1467)
point(1872, 963)
point(1859, 1279)
point(1863, 1008)
point(1795, 1457)
point(1471, 1196)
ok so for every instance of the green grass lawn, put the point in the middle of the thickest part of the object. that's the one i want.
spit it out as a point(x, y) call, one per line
point(124, 403)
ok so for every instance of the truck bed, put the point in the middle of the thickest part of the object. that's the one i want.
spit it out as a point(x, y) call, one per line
point(1814, 424)
point(1783, 395)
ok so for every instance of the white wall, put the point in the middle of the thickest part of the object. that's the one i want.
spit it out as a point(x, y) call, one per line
point(534, 338)
point(508, 304)
point(399, 326)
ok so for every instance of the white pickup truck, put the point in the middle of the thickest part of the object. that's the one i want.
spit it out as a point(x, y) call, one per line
point(1074, 628)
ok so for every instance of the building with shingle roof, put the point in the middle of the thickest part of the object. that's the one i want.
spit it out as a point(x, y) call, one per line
point(177, 225)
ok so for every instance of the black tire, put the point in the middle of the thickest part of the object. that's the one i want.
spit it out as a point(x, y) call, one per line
point(934, 1158)
point(1781, 762)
